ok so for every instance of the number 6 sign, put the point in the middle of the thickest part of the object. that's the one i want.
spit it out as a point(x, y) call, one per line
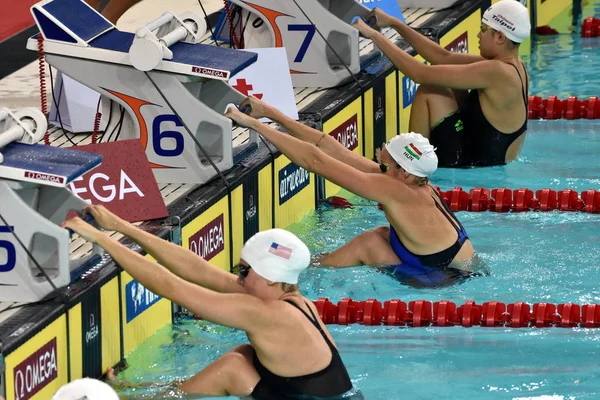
point(8, 260)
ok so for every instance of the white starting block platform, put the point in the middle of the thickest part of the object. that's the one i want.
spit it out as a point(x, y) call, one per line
point(114, 110)
point(163, 80)
point(34, 201)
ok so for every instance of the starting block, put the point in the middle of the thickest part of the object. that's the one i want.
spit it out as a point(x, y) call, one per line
point(309, 30)
point(174, 89)
point(34, 201)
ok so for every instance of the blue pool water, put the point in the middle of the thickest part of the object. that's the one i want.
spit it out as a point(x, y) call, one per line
point(533, 257)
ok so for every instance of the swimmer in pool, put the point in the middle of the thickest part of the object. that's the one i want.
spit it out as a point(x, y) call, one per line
point(425, 245)
point(473, 108)
point(291, 353)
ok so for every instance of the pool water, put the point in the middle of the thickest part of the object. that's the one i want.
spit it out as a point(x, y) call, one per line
point(533, 257)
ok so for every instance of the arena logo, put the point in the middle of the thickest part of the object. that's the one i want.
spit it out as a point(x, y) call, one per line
point(138, 299)
point(347, 133)
point(460, 44)
point(210, 240)
point(36, 372)
point(292, 179)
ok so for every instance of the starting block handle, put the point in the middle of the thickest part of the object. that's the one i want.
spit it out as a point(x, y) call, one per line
point(246, 109)
point(158, 22)
point(372, 22)
point(177, 34)
point(27, 125)
point(13, 134)
point(150, 48)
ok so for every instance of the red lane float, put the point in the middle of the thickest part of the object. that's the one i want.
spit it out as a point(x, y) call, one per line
point(504, 200)
point(555, 108)
point(590, 27)
point(423, 313)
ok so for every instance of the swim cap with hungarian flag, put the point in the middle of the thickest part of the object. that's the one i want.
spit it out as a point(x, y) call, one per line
point(509, 17)
point(413, 152)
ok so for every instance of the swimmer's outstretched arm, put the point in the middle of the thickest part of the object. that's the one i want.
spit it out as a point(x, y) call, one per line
point(182, 262)
point(372, 186)
point(234, 310)
point(327, 143)
point(425, 47)
point(477, 75)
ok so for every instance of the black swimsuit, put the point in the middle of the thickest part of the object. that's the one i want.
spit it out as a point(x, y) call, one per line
point(485, 144)
point(331, 382)
point(466, 138)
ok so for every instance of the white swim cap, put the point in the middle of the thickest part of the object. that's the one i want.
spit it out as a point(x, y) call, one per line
point(86, 389)
point(413, 152)
point(509, 17)
point(276, 255)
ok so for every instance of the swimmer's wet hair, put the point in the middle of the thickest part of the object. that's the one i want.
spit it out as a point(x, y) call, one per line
point(422, 181)
point(286, 287)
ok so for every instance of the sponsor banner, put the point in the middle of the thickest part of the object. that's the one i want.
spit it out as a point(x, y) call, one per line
point(217, 73)
point(348, 121)
point(407, 89)
point(347, 133)
point(124, 182)
point(138, 299)
point(294, 192)
point(460, 44)
point(42, 177)
point(208, 234)
point(36, 371)
point(145, 312)
point(250, 206)
point(38, 367)
point(463, 37)
point(379, 110)
point(209, 240)
point(91, 328)
point(292, 179)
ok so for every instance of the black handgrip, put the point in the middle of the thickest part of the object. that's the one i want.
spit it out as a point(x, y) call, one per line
point(246, 109)
point(87, 218)
point(372, 22)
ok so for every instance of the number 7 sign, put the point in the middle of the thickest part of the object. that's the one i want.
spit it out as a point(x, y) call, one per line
point(310, 33)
